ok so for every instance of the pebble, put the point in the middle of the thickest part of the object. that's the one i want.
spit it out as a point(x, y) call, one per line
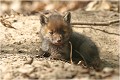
point(108, 70)
point(26, 69)
point(22, 50)
point(29, 60)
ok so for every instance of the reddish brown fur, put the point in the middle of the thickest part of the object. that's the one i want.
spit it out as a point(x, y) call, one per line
point(57, 27)
point(57, 23)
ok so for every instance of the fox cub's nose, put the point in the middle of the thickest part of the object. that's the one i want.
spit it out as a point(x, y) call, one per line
point(59, 41)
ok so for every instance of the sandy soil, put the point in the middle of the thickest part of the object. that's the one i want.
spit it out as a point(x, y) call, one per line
point(20, 46)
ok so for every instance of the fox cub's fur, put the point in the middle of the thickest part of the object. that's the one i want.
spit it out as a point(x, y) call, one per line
point(56, 32)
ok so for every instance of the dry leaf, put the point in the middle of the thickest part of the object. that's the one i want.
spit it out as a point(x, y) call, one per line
point(6, 23)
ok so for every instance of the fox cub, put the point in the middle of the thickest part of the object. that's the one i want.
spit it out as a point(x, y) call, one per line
point(56, 33)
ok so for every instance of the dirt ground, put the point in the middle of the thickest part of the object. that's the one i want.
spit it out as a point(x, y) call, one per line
point(20, 47)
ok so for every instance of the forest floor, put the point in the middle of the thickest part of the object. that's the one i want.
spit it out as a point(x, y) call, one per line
point(20, 46)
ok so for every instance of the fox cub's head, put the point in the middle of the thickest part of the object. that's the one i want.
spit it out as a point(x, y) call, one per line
point(56, 28)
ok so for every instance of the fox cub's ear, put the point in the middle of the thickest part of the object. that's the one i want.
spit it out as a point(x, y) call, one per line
point(67, 17)
point(43, 20)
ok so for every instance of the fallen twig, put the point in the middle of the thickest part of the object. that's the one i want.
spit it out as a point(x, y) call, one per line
point(99, 30)
point(96, 23)
point(70, 52)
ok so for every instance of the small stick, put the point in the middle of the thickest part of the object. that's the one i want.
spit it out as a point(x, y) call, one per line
point(99, 30)
point(70, 52)
point(96, 23)
point(89, 23)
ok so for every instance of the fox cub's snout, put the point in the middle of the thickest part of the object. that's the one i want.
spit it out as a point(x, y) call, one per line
point(56, 28)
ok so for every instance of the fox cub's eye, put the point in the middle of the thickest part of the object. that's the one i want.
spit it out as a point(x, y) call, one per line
point(51, 32)
point(63, 32)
